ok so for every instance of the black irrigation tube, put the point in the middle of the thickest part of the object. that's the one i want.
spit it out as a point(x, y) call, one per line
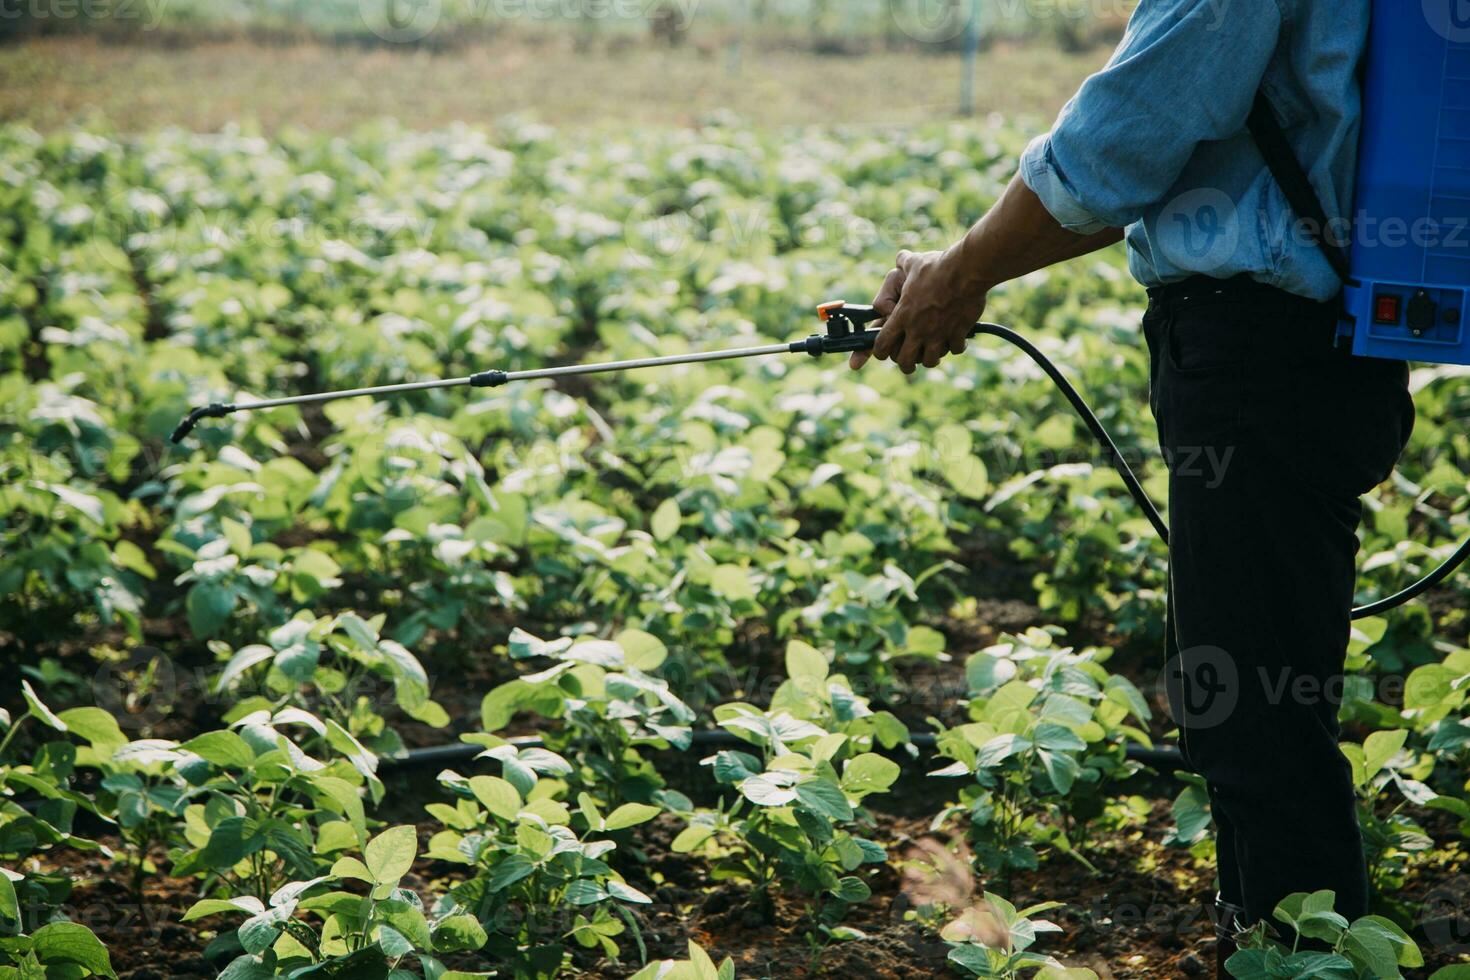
point(1165, 757)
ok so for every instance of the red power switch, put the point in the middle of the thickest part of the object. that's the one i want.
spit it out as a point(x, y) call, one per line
point(1386, 309)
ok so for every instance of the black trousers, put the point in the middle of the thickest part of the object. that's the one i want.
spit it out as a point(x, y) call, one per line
point(1270, 434)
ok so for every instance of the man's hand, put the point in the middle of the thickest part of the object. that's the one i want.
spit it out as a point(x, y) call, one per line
point(932, 299)
point(929, 306)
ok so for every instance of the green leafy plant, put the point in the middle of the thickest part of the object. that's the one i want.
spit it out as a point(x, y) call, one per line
point(1047, 736)
point(993, 940)
point(529, 867)
point(61, 531)
point(261, 812)
point(609, 705)
point(338, 667)
point(699, 966)
point(1390, 834)
point(311, 929)
point(54, 951)
point(1371, 948)
point(28, 833)
point(800, 803)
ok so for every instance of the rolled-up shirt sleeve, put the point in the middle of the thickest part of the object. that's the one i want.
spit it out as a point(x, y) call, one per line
point(1186, 72)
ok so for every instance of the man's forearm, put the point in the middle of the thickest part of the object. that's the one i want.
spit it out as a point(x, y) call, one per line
point(931, 300)
point(1018, 236)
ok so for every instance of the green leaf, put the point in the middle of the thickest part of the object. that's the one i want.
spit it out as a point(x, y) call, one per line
point(584, 891)
point(1063, 770)
point(642, 651)
point(86, 504)
point(533, 839)
point(1381, 935)
point(389, 855)
point(1058, 738)
point(1379, 747)
point(222, 748)
point(1429, 685)
point(367, 963)
point(804, 662)
point(68, 942)
point(665, 521)
point(630, 814)
point(691, 838)
point(37, 710)
point(999, 749)
point(1191, 814)
point(392, 942)
point(510, 870)
point(497, 796)
point(350, 867)
point(825, 797)
point(244, 658)
point(216, 906)
point(701, 964)
point(732, 583)
point(9, 904)
point(869, 773)
point(731, 766)
point(208, 605)
point(97, 726)
point(458, 933)
point(852, 889)
point(1255, 964)
point(626, 893)
point(761, 790)
point(1312, 915)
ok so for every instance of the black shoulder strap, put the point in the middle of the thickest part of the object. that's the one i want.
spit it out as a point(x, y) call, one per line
point(1287, 169)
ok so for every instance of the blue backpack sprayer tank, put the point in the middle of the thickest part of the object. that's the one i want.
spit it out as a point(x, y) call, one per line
point(1405, 278)
point(1406, 289)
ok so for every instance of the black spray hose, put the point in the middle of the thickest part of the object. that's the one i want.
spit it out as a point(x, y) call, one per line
point(1438, 575)
point(1080, 406)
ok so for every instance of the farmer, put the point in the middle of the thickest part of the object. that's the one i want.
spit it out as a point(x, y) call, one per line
point(1240, 323)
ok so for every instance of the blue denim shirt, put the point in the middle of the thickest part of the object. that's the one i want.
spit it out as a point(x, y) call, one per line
point(1156, 141)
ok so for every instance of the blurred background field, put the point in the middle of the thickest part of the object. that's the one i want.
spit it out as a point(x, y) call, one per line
point(139, 65)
